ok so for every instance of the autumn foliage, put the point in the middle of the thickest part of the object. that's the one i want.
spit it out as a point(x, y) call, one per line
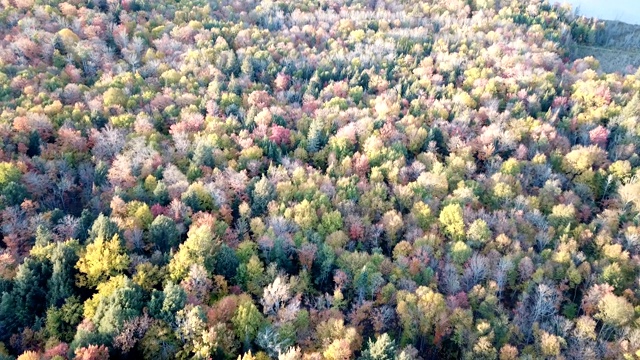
point(314, 180)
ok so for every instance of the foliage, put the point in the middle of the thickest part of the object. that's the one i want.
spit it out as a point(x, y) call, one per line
point(102, 260)
point(315, 179)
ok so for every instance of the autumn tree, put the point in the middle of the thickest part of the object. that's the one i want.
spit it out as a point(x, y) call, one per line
point(452, 222)
point(419, 314)
point(103, 259)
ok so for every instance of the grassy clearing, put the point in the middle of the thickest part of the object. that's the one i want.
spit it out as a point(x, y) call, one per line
point(617, 47)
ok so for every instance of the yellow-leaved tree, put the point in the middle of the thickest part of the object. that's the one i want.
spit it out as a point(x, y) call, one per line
point(102, 260)
point(199, 248)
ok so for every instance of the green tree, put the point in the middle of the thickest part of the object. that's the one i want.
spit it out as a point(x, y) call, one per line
point(61, 323)
point(263, 192)
point(164, 304)
point(159, 342)
point(161, 193)
point(103, 227)
point(330, 223)
point(27, 300)
point(113, 310)
point(316, 137)
point(12, 191)
point(61, 284)
point(9, 173)
point(14, 194)
point(226, 262)
point(247, 321)
point(163, 233)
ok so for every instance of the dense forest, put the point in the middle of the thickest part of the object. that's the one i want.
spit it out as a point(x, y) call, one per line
point(314, 179)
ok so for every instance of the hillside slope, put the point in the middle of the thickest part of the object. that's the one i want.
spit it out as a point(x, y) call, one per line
point(617, 47)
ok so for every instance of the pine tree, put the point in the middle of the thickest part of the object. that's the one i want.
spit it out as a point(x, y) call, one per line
point(316, 137)
point(123, 304)
point(61, 284)
point(103, 228)
point(164, 304)
point(263, 192)
point(27, 299)
point(163, 233)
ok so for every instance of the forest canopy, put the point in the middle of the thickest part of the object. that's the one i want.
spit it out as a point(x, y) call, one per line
point(314, 179)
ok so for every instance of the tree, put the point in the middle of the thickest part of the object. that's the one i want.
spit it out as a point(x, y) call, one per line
point(159, 342)
point(226, 262)
point(305, 215)
point(247, 321)
point(452, 222)
point(460, 252)
point(630, 194)
point(61, 323)
point(9, 173)
point(615, 311)
point(163, 233)
point(316, 137)
point(190, 326)
point(103, 259)
point(132, 331)
point(478, 233)
point(539, 304)
point(61, 285)
point(148, 275)
point(114, 96)
point(423, 215)
point(121, 305)
point(263, 192)
point(164, 304)
point(419, 313)
point(383, 348)
point(200, 247)
point(197, 285)
point(29, 355)
point(203, 154)
point(14, 194)
point(251, 275)
point(12, 191)
point(293, 353)
point(92, 352)
point(27, 300)
point(275, 296)
point(392, 222)
point(271, 341)
point(340, 341)
point(550, 344)
point(103, 227)
point(339, 349)
point(582, 159)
